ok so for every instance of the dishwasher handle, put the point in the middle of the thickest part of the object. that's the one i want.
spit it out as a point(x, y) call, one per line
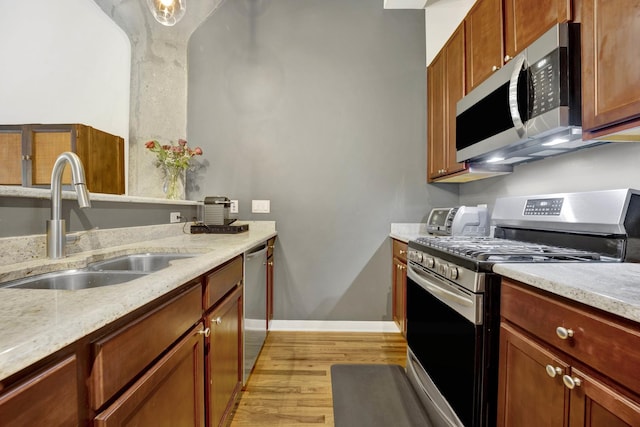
point(257, 251)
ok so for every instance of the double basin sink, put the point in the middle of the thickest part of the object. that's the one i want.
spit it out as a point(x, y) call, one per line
point(102, 273)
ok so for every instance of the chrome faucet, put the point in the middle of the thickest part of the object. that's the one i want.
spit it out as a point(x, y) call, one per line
point(56, 232)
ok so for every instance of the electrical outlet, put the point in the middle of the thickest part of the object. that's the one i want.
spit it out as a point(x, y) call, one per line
point(234, 206)
point(261, 206)
point(174, 217)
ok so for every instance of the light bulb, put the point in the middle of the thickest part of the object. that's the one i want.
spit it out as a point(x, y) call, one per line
point(167, 12)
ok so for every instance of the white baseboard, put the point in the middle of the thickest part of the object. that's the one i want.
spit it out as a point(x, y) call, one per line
point(333, 326)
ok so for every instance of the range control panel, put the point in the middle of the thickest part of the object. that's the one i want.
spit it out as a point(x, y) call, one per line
point(547, 207)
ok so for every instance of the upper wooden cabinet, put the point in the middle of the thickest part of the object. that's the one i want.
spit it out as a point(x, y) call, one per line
point(497, 30)
point(611, 65)
point(445, 86)
point(526, 20)
point(483, 26)
point(31, 150)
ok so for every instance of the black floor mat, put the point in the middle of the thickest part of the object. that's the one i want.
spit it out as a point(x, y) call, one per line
point(375, 396)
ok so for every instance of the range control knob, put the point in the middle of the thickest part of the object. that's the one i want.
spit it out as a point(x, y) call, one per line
point(429, 262)
point(443, 269)
point(453, 272)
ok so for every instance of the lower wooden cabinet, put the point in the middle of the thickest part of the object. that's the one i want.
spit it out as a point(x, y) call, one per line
point(48, 398)
point(170, 393)
point(159, 366)
point(524, 383)
point(224, 357)
point(399, 285)
point(120, 356)
point(270, 269)
point(553, 363)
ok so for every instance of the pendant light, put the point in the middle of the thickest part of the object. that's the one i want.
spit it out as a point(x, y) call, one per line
point(167, 12)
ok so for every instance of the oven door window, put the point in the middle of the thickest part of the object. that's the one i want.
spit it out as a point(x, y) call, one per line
point(448, 346)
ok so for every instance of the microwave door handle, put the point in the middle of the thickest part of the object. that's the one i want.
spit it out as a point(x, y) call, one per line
point(519, 62)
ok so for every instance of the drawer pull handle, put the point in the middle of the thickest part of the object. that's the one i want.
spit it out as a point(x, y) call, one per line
point(495, 68)
point(564, 333)
point(552, 371)
point(402, 252)
point(217, 320)
point(571, 383)
point(205, 332)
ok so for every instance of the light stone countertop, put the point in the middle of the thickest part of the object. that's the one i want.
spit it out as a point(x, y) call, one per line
point(407, 231)
point(612, 287)
point(36, 323)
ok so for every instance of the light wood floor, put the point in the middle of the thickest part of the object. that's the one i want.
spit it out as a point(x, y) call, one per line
point(291, 382)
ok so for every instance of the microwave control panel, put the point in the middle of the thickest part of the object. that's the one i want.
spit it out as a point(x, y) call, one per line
point(545, 84)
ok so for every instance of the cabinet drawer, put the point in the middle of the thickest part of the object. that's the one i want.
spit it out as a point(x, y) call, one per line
point(400, 250)
point(221, 281)
point(608, 345)
point(118, 358)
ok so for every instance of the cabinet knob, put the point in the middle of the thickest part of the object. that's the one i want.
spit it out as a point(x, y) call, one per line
point(570, 382)
point(271, 246)
point(495, 68)
point(564, 333)
point(217, 320)
point(270, 263)
point(552, 371)
point(206, 332)
point(507, 58)
point(402, 252)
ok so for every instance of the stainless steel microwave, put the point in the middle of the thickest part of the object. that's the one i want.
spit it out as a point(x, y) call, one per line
point(528, 109)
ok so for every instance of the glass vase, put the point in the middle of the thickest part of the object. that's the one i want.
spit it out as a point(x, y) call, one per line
point(174, 179)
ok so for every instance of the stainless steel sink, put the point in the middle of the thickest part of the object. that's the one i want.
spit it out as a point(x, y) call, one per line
point(73, 280)
point(147, 263)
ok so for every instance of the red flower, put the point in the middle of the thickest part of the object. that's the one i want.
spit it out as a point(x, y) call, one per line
point(150, 144)
point(197, 151)
point(182, 142)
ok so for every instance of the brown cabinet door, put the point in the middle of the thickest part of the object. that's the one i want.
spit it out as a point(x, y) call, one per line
point(270, 268)
point(594, 403)
point(483, 28)
point(170, 393)
point(46, 146)
point(399, 294)
point(436, 110)
point(47, 399)
point(526, 20)
point(224, 359)
point(11, 157)
point(122, 355)
point(455, 84)
point(527, 395)
point(610, 63)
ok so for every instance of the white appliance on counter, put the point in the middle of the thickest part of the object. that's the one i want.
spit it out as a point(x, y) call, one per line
point(255, 306)
point(459, 221)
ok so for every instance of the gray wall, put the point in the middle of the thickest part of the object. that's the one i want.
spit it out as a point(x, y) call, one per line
point(608, 166)
point(22, 216)
point(320, 107)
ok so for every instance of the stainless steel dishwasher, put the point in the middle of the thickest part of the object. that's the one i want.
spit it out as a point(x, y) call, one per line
point(255, 305)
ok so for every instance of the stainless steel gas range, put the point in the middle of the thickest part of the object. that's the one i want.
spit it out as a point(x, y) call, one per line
point(453, 296)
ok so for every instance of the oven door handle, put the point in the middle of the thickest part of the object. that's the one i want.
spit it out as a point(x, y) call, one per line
point(423, 280)
point(470, 306)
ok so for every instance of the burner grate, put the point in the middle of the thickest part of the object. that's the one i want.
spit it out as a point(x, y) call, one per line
point(502, 250)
